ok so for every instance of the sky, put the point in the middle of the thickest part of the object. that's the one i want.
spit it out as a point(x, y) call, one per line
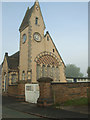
point(89, 34)
point(67, 23)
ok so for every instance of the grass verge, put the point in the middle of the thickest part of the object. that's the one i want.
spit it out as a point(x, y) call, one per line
point(74, 102)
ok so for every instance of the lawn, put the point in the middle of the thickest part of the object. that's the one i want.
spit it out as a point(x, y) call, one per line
point(74, 102)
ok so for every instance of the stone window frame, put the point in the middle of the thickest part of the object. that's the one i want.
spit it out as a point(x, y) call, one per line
point(49, 66)
point(23, 75)
point(38, 69)
point(47, 38)
point(29, 75)
point(13, 78)
point(4, 81)
point(36, 21)
point(43, 70)
point(53, 50)
point(48, 70)
point(57, 74)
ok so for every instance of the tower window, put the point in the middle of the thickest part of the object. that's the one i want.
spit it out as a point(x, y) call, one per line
point(53, 50)
point(13, 79)
point(36, 20)
point(47, 38)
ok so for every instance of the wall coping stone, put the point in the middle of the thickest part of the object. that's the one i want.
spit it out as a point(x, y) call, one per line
point(13, 85)
point(70, 83)
point(24, 81)
point(45, 79)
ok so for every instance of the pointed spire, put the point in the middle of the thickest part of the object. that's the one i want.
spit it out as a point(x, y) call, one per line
point(36, 2)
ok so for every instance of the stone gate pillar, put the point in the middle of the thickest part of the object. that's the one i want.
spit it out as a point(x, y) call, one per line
point(45, 98)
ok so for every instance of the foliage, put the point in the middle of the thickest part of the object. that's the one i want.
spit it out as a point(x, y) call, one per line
point(88, 71)
point(73, 71)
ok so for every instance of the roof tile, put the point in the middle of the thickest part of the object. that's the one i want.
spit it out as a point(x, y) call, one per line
point(13, 61)
point(25, 21)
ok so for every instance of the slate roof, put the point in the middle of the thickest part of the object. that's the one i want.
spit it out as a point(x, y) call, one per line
point(25, 21)
point(13, 61)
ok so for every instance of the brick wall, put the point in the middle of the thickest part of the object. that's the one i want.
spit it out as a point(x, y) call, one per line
point(17, 91)
point(67, 91)
point(21, 92)
point(45, 98)
point(61, 91)
point(12, 90)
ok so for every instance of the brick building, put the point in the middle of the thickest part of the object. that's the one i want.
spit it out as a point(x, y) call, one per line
point(38, 56)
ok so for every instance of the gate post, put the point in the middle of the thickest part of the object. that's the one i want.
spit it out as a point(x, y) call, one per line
point(21, 91)
point(45, 98)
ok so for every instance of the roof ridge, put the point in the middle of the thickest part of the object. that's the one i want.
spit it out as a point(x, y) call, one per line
point(13, 55)
point(54, 46)
point(25, 21)
point(13, 61)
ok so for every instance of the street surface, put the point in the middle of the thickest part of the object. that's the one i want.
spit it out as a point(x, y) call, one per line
point(12, 108)
point(11, 113)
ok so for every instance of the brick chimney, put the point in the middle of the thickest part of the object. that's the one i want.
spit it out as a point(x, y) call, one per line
point(6, 54)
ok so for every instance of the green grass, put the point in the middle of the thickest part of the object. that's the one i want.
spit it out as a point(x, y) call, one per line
point(74, 102)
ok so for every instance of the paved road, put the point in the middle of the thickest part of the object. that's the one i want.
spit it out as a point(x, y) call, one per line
point(32, 109)
point(12, 113)
point(9, 113)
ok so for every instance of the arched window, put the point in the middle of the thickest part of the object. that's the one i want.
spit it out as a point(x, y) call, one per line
point(23, 75)
point(43, 71)
point(53, 72)
point(29, 75)
point(47, 38)
point(13, 78)
point(36, 20)
point(38, 71)
point(48, 70)
point(5, 77)
point(57, 74)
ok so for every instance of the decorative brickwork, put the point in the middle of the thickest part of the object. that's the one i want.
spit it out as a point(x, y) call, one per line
point(47, 58)
point(48, 65)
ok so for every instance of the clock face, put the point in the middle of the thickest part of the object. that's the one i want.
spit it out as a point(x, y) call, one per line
point(24, 38)
point(37, 37)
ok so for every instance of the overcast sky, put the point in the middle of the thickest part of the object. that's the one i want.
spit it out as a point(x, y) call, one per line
point(67, 23)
